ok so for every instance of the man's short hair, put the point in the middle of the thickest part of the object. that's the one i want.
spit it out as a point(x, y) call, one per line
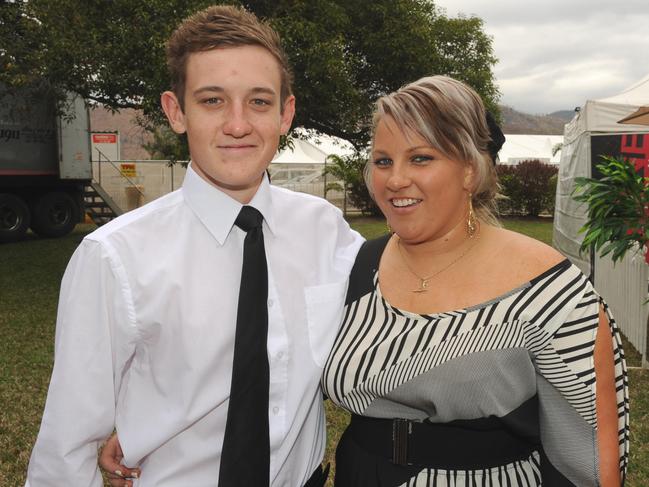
point(222, 26)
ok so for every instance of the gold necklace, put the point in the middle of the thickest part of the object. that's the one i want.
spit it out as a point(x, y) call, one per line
point(423, 281)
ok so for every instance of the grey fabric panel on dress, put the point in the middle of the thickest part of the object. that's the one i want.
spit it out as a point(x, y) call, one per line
point(564, 434)
point(491, 383)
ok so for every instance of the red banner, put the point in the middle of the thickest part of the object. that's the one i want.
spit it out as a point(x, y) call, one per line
point(636, 148)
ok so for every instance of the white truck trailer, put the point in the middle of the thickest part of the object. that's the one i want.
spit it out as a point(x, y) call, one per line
point(45, 167)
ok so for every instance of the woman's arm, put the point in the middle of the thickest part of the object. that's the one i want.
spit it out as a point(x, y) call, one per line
point(606, 404)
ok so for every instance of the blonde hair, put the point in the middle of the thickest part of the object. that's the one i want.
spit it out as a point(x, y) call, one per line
point(222, 26)
point(451, 117)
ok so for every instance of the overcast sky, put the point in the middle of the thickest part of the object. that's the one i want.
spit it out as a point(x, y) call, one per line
point(556, 54)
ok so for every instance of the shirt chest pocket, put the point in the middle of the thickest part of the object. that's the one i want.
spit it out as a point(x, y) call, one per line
point(324, 312)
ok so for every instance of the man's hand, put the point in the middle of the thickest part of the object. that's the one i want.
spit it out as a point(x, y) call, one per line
point(110, 460)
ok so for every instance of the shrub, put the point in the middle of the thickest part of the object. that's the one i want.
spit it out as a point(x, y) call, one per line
point(529, 188)
point(510, 188)
point(349, 170)
point(618, 209)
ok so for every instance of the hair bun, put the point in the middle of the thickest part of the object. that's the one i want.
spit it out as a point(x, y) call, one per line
point(497, 137)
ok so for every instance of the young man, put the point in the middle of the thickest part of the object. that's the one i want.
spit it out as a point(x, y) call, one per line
point(147, 317)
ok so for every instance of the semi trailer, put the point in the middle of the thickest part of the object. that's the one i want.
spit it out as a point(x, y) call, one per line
point(45, 164)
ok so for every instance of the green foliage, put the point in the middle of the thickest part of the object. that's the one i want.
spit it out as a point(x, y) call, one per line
point(166, 144)
point(529, 188)
point(511, 190)
point(344, 170)
point(618, 208)
point(465, 52)
point(345, 53)
point(536, 184)
point(349, 171)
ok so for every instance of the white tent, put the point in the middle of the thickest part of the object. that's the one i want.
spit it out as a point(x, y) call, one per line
point(314, 150)
point(595, 131)
point(523, 147)
point(301, 152)
point(597, 117)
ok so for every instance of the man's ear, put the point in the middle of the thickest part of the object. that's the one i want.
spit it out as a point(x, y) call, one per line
point(174, 112)
point(288, 112)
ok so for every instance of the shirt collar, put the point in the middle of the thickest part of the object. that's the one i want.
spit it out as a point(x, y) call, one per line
point(217, 210)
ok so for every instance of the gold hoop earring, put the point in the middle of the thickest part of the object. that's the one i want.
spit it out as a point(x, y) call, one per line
point(471, 220)
point(387, 224)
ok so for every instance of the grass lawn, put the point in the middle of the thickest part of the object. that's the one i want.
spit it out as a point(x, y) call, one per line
point(29, 286)
point(29, 282)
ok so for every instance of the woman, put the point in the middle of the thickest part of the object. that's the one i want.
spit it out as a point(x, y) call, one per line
point(469, 354)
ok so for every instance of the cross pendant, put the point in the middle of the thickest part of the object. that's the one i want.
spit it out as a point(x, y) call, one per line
point(423, 287)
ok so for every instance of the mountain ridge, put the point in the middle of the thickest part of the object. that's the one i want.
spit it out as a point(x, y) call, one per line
point(515, 122)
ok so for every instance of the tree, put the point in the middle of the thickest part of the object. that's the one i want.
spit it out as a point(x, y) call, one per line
point(618, 209)
point(166, 144)
point(348, 170)
point(345, 53)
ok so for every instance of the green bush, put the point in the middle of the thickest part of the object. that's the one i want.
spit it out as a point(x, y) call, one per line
point(618, 209)
point(529, 188)
point(349, 170)
point(510, 187)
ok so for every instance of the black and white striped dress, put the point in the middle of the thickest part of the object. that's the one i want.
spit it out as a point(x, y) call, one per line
point(524, 359)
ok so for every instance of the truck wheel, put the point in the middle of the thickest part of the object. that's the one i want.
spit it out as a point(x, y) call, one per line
point(55, 214)
point(14, 217)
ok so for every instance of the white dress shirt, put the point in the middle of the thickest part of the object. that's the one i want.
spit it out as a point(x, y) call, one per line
point(145, 335)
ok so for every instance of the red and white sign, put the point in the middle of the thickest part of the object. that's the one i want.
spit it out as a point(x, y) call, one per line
point(104, 138)
point(105, 146)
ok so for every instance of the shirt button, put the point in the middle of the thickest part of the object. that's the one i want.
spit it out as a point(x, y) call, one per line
point(280, 355)
point(270, 303)
point(275, 410)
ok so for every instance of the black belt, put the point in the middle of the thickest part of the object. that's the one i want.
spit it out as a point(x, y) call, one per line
point(458, 445)
point(318, 477)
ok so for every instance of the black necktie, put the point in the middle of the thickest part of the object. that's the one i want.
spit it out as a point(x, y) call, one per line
point(245, 460)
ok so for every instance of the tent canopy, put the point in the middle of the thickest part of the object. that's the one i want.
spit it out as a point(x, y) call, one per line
point(596, 118)
point(604, 114)
point(522, 147)
point(301, 153)
point(313, 150)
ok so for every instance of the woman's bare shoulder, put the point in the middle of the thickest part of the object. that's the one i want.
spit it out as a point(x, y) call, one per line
point(524, 256)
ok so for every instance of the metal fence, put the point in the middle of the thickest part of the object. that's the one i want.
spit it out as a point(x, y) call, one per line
point(133, 183)
point(306, 178)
